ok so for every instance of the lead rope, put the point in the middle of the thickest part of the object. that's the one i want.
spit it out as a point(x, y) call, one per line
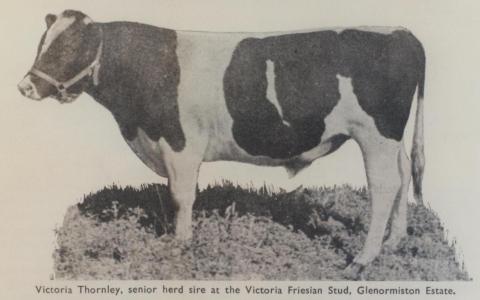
point(96, 67)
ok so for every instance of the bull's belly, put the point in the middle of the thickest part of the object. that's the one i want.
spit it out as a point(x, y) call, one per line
point(224, 148)
point(345, 117)
point(227, 149)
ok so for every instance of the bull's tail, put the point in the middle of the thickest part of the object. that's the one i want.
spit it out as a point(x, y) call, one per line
point(417, 155)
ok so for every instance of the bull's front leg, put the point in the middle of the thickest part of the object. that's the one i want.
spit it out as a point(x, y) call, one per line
point(182, 181)
point(181, 169)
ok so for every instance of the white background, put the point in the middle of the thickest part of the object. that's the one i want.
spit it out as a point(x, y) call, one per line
point(51, 154)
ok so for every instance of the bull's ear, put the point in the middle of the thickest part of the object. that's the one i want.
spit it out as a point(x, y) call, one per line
point(87, 20)
point(50, 19)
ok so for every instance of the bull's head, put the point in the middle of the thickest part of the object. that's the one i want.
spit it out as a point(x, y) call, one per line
point(68, 58)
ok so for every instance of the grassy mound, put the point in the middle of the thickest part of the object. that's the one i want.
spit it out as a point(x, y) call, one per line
point(243, 234)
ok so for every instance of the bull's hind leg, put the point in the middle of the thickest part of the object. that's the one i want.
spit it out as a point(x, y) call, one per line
point(398, 227)
point(384, 181)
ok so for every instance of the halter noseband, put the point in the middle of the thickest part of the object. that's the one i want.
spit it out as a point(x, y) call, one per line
point(91, 70)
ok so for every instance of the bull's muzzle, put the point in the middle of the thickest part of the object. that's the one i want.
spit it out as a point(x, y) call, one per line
point(28, 89)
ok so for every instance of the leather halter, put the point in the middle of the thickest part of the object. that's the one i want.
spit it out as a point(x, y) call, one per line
point(91, 70)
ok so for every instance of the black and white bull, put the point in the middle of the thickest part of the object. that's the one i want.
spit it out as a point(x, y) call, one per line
point(182, 98)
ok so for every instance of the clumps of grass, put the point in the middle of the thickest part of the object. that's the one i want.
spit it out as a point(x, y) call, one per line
point(117, 249)
point(243, 234)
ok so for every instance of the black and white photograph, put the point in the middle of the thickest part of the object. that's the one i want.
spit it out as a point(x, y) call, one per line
point(240, 149)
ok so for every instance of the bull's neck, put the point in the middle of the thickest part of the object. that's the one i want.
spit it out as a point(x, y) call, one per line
point(112, 88)
point(138, 62)
point(138, 78)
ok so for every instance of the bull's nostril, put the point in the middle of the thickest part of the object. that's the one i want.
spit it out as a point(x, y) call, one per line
point(21, 89)
point(25, 88)
point(28, 89)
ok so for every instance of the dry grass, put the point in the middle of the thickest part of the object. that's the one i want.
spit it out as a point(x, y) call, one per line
point(243, 234)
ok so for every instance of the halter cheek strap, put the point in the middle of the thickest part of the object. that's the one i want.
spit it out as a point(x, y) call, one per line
point(91, 70)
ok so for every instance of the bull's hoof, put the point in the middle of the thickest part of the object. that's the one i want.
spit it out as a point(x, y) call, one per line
point(392, 244)
point(353, 271)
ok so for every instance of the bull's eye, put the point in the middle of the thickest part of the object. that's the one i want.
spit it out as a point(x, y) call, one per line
point(68, 49)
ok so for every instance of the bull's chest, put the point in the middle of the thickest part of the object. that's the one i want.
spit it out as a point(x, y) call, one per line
point(150, 152)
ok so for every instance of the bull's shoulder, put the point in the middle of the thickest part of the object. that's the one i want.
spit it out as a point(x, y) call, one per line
point(139, 77)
